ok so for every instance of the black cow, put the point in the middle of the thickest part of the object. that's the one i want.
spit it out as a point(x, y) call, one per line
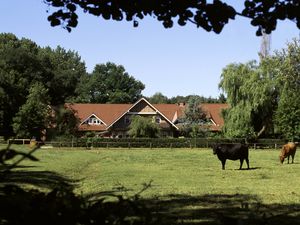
point(232, 152)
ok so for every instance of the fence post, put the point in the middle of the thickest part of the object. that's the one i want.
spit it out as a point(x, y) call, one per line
point(150, 145)
point(129, 145)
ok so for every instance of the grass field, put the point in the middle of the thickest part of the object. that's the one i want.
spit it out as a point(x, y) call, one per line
point(189, 179)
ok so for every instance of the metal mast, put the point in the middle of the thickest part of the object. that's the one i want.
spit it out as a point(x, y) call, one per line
point(265, 47)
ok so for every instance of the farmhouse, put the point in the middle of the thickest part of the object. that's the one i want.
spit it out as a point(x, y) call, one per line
point(113, 120)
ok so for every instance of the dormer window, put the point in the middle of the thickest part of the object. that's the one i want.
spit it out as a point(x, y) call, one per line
point(94, 121)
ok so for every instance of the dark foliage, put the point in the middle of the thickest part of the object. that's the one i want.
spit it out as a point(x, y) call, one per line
point(212, 16)
point(24, 65)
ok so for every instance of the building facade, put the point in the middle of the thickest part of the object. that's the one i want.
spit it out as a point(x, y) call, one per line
point(113, 120)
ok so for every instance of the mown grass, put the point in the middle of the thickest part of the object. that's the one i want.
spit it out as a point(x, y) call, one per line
point(190, 172)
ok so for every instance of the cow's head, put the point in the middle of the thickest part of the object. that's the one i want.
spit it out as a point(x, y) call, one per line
point(282, 154)
point(281, 158)
point(216, 149)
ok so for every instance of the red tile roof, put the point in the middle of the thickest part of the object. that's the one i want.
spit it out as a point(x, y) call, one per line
point(215, 110)
point(171, 111)
point(110, 113)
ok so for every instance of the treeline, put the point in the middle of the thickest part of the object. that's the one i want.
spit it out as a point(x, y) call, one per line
point(160, 98)
point(263, 97)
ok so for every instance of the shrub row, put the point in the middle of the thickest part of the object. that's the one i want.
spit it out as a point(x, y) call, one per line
point(162, 142)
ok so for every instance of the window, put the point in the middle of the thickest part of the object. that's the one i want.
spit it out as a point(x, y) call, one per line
point(127, 119)
point(94, 121)
point(157, 119)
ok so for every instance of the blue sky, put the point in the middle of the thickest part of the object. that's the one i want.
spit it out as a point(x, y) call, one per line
point(177, 61)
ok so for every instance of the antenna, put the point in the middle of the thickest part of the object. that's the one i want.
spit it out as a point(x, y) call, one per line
point(265, 46)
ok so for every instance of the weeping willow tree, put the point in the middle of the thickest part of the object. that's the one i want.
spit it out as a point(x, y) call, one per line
point(264, 98)
point(251, 92)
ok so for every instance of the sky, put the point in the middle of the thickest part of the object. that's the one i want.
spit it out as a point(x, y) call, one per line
point(177, 61)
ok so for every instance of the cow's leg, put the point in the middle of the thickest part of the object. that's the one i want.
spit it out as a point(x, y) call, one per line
point(223, 164)
point(288, 159)
point(293, 158)
point(247, 161)
point(241, 163)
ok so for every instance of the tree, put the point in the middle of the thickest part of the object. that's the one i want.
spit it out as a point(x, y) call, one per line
point(33, 116)
point(184, 99)
point(64, 70)
point(252, 95)
point(222, 98)
point(143, 127)
point(263, 97)
point(211, 16)
point(23, 63)
point(158, 98)
point(19, 68)
point(288, 113)
point(195, 121)
point(193, 113)
point(109, 83)
point(65, 121)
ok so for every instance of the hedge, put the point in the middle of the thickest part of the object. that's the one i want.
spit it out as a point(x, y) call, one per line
point(161, 142)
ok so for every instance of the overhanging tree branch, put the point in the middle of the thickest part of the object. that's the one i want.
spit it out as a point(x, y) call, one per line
point(212, 16)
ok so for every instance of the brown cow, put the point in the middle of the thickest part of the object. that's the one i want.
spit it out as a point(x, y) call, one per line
point(288, 150)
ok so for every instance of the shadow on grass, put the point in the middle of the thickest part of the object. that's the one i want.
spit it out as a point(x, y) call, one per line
point(39, 179)
point(62, 206)
point(251, 168)
point(221, 209)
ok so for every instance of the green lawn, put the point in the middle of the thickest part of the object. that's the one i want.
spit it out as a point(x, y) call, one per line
point(190, 179)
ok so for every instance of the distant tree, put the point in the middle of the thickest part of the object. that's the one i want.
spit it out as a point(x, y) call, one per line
point(143, 127)
point(178, 99)
point(185, 99)
point(158, 98)
point(33, 116)
point(222, 98)
point(211, 16)
point(109, 83)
